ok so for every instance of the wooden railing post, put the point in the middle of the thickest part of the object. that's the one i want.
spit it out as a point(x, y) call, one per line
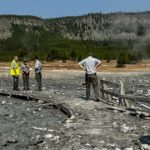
point(104, 87)
point(123, 98)
point(122, 92)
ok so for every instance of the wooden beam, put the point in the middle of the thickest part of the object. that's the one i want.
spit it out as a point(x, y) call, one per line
point(129, 97)
point(136, 98)
point(122, 92)
point(131, 112)
point(110, 93)
point(110, 83)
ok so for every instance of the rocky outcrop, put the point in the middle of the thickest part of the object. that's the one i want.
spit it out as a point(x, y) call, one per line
point(6, 23)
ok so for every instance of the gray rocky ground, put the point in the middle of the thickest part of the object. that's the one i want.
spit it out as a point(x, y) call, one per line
point(26, 125)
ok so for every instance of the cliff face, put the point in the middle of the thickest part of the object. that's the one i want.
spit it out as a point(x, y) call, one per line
point(99, 27)
point(7, 22)
point(5, 28)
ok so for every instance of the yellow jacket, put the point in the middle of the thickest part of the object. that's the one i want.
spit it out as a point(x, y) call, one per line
point(15, 70)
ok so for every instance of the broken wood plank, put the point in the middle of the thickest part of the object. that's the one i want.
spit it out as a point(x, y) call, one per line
point(109, 83)
point(108, 102)
point(129, 97)
point(145, 106)
point(62, 107)
point(129, 111)
point(110, 93)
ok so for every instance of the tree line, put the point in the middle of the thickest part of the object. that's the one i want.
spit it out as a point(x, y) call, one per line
point(31, 41)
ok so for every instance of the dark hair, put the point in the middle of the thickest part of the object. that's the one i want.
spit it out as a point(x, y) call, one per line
point(36, 57)
point(25, 59)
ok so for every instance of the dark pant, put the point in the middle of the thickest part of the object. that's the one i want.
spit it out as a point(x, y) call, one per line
point(15, 82)
point(25, 81)
point(92, 80)
point(38, 77)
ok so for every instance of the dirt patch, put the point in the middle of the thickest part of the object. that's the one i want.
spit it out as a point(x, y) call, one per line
point(144, 65)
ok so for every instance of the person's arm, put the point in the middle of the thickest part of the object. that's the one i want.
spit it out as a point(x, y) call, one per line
point(21, 68)
point(98, 63)
point(81, 64)
point(81, 67)
point(36, 66)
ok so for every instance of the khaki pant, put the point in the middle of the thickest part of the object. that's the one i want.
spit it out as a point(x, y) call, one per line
point(38, 77)
point(92, 80)
point(25, 81)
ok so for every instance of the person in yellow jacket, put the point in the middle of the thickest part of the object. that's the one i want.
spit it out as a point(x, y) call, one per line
point(14, 72)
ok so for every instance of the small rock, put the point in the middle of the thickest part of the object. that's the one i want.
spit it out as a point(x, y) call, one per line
point(48, 136)
point(36, 140)
point(11, 116)
point(124, 128)
point(9, 96)
point(40, 101)
point(72, 117)
point(145, 147)
point(12, 140)
point(117, 148)
point(115, 125)
point(111, 144)
point(55, 138)
point(130, 148)
point(87, 144)
point(41, 129)
point(3, 102)
point(44, 88)
point(50, 130)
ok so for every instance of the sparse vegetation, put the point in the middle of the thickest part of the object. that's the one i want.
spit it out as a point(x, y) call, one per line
point(127, 57)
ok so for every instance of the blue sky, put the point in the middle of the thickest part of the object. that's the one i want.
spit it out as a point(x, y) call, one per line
point(60, 8)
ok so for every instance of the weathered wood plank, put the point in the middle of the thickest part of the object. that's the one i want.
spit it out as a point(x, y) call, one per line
point(136, 98)
point(122, 92)
point(26, 96)
point(109, 83)
point(131, 112)
point(110, 93)
point(129, 97)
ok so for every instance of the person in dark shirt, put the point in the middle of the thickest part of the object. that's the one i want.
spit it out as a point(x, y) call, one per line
point(25, 74)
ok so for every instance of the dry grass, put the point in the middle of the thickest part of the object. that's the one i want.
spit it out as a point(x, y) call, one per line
point(71, 65)
point(105, 67)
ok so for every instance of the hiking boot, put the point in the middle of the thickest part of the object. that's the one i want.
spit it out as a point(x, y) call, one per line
point(97, 100)
point(87, 98)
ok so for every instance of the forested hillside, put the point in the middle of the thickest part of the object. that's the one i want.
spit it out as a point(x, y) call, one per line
point(106, 35)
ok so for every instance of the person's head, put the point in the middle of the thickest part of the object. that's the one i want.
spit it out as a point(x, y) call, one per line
point(16, 58)
point(25, 61)
point(90, 54)
point(35, 58)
